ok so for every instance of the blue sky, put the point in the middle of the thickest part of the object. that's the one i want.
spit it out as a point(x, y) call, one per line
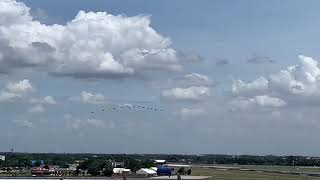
point(231, 77)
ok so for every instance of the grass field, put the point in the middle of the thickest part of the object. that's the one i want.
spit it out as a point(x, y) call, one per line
point(221, 174)
point(282, 168)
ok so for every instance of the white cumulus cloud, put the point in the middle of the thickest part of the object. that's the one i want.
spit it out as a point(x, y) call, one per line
point(8, 96)
point(89, 98)
point(93, 44)
point(37, 109)
point(257, 86)
point(23, 86)
point(268, 101)
point(194, 93)
point(297, 83)
point(264, 101)
point(76, 124)
point(96, 123)
point(190, 112)
point(49, 100)
point(15, 90)
point(301, 79)
point(192, 79)
point(23, 123)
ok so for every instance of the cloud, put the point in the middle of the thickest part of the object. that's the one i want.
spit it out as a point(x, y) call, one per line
point(8, 96)
point(23, 123)
point(96, 123)
point(222, 62)
point(264, 101)
point(40, 15)
point(15, 90)
point(32, 119)
point(190, 57)
point(197, 78)
point(193, 93)
point(92, 45)
point(297, 83)
point(76, 124)
point(192, 79)
point(191, 112)
point(260, 60)
point(257, 86)
point(49, 100)
point(89, 98)
point(20, 87)
point(268, 101)
point(13, 12)
point(37, 109)
point(152, 60)
point(301, 79)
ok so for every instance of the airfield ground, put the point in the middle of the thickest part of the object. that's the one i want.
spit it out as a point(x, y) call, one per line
point(230, 172)
point(237, 174)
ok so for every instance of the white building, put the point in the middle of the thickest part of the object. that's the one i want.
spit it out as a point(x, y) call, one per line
point(160, 162)
point(121, 171)
point(73, 167)
point(146, 172)
point(2, 158)
point(118, 164)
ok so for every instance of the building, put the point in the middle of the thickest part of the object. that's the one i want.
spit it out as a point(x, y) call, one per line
point(2, 158)
point(160, 162)
point(121, 171)
point(70, 170)
point(44, 171)
point(146, 172)
point(117, 164)
point(73, 167)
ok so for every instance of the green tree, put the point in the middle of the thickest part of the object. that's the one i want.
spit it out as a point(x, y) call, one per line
point(147, 164)
point(85, 164)
point(108, 170)
point(181, 170)
point(37, 164)
point(93, 170)
point(77, 172)
point(133, 165)
point(94, 166)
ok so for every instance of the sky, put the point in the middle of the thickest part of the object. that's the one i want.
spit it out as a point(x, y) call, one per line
point(189, 77)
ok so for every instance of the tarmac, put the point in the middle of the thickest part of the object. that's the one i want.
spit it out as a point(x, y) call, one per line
point(182, 177)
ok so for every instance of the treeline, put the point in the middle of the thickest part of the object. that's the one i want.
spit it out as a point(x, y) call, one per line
point(248, 160)
point(94, 164)
point(137, 161)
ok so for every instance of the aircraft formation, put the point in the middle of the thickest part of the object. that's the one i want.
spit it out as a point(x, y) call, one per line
point(127, 107)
